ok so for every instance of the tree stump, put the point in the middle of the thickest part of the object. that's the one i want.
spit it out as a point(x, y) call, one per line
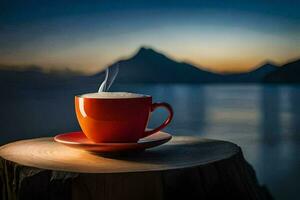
point(184, 168)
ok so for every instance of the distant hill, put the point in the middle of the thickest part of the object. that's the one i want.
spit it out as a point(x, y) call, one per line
point(255, 76)
point(150, 66)
point(288, 73)
point(259, 73)
point(33, 77)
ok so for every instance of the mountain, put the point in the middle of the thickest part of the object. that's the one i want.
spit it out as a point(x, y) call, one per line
point(259, 73)
point(255, 76)
point(288, 73)
point(150, 66)
point(33, 77)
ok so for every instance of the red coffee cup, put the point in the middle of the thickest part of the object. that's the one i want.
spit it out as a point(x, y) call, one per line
point(117, 117)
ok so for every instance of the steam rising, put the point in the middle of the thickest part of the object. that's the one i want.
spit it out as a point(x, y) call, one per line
point(110, 76)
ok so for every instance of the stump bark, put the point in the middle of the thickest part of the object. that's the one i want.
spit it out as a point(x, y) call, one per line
point(184, 168)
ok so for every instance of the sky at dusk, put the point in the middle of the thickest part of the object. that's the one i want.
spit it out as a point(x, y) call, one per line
point(89, 35)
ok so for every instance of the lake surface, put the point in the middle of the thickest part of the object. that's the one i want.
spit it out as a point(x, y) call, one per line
point(263, 120)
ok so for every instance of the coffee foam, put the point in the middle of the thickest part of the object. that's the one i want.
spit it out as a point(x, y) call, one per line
point(112, 95)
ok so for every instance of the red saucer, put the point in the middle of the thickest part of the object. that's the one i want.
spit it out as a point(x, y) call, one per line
point(80, 141)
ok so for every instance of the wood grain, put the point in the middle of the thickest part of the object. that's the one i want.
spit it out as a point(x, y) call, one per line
point(180, 152)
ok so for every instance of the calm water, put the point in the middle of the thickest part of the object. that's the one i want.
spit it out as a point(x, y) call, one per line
point(263, 120)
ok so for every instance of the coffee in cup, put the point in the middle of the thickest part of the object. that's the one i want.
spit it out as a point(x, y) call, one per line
point(112, 117)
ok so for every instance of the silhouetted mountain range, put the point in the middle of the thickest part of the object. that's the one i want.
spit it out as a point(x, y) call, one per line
point(288, 73)
point(34, 77)
point(150, 66)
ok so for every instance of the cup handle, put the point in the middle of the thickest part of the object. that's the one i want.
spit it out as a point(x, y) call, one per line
point(166, 122)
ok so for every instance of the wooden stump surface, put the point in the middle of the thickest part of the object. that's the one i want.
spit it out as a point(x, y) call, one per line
point(185, 168)
point(180, 152)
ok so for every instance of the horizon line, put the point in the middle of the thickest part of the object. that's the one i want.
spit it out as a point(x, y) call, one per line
point(61, 68)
